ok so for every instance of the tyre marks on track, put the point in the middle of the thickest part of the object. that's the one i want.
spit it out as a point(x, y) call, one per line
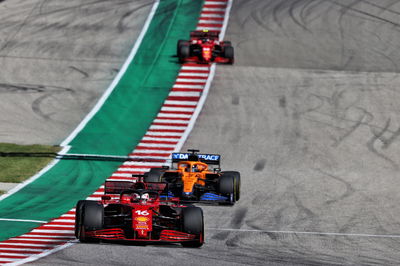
point(165, 135)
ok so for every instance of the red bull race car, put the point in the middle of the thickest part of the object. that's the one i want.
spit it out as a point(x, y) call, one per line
point(139, 213)
point(204, 47)
point(191, 179)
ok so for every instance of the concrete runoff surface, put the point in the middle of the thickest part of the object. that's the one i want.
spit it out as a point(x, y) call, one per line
point(309, 115)
point(7, 186)
point(57, 59)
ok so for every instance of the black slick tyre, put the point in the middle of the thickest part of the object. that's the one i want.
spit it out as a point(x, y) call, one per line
point(229, 54)
point(193, 223)
point(154, 175)
point(78, 217)
point(178, 46)
point(227, 187)
point(237, 182)
point(91, 216)
point(184, 52)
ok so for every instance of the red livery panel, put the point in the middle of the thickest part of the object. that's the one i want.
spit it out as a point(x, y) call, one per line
point(205, 47)
point(139, 214)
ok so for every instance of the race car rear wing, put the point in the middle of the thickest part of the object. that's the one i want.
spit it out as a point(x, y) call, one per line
point(117, 187)
point(212, 159)
point(205, 34)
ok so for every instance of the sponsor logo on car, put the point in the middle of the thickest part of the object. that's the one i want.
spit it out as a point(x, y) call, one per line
point(209, 157)
point(141, 227)
point(141, 219)
point(185, 156)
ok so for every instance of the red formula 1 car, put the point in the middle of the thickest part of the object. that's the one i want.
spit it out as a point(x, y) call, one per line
point(139, 214)
point(205, 47)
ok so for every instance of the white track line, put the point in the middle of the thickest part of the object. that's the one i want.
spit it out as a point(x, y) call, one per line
point(184, 94)
point(212, 15)
point(205, 68)
point(177, 86)
point(33, 178)
point(41, 255)
point(208, 28)
point(22, 220)
point(189, 74)
point(226, 20)
point(214, 9)
point(165, 120)
point(180, 109)
point(191, 80)
point(303, 233)
point(116, 79)
point(208, 21)
point(179, 102)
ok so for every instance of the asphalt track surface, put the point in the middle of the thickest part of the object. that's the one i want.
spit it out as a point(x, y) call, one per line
point(57, 58)
point(309, 115)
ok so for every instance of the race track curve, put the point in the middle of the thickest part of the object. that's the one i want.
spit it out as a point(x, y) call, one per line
point(57, 58)
point(309, 115)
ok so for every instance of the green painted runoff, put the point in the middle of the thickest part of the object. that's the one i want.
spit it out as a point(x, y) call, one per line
point(115, 129)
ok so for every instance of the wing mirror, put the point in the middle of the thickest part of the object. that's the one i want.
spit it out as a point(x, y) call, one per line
point(106, 197)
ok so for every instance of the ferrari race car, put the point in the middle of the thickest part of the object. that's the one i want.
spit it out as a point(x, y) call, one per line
point(139, 214)
point(191, 180)
point(205, 47)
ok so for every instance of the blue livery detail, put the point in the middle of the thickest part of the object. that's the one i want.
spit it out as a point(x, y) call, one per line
point(185, 156)
point(212, 197)
point(170, 195)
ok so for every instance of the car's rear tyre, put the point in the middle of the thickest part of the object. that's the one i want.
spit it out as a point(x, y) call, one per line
point(237, 182)
point(227, 187)
point(89, 217)
point(78, 217)
point(178, 47)
point(154, 175)
point(184, 52)
point(193, 223)
point(229, 54)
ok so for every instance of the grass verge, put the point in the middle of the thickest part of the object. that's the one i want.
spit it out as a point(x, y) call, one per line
point(19, 162)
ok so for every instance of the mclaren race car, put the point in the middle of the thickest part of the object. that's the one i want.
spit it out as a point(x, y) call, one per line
point(205, 47)
point(139, 214)
point(192, 180)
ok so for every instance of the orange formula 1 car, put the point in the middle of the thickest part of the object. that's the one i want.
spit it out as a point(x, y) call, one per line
point(205, 47)
point(191, 180)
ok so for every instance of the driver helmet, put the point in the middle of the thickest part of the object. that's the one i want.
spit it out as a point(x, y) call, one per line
point(201, 167)
point(145, 197)
point(135, 197)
